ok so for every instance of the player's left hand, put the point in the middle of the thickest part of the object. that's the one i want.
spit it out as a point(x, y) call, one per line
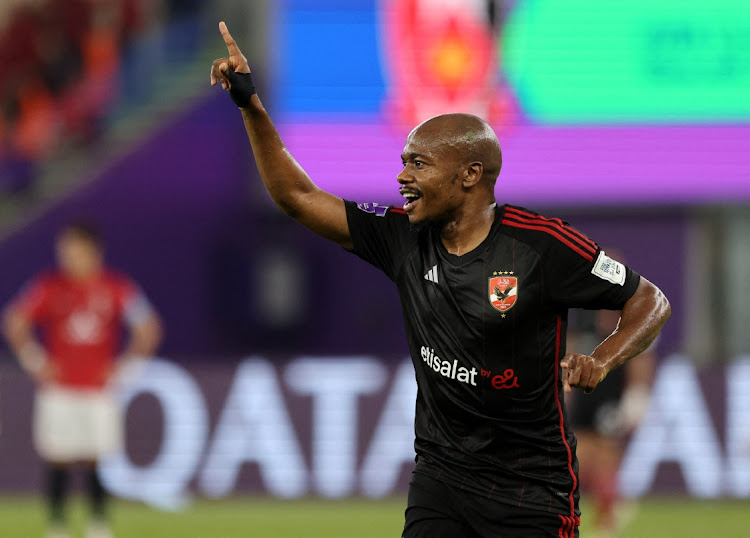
point(235, 61)
point(582, 371)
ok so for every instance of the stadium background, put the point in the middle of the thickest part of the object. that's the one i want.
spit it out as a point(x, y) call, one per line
point(283, 372)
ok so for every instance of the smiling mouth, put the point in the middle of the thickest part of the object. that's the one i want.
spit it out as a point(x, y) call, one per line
point(411, 199)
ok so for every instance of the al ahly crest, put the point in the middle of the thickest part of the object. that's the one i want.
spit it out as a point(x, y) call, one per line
point(503, 290)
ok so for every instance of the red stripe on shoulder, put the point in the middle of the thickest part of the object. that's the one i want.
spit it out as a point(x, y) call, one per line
point(571, 232)
point(553, 232)
point(397, 210)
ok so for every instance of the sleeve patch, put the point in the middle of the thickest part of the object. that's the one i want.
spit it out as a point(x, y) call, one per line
point(608, 269)
point(373, 207)
point(137, 310)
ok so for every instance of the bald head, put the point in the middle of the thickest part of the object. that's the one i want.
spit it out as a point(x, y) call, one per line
point(469, 138)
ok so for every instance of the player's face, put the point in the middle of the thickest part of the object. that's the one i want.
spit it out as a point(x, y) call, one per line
point(77, 257)
point(430, 180)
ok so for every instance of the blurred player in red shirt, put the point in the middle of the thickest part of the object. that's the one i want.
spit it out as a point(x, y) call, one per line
point(79, 312)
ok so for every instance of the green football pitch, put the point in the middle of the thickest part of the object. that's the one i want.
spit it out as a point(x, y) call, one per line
point(250, 517)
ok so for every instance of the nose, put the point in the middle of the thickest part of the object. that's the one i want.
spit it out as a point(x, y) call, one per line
point(404, 177)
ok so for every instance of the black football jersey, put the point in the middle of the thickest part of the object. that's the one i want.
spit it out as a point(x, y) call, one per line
point(486, 333)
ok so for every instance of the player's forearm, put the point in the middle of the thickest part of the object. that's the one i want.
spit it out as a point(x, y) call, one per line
point(642, 318)
point(144, 340)
point(17, 332)
point(285, 180)
point(29, 352)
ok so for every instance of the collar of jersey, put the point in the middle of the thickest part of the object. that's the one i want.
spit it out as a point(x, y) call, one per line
point(475, 252)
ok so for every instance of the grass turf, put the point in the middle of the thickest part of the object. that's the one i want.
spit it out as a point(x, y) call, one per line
point(250, 517)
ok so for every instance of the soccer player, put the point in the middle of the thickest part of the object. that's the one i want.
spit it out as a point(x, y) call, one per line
point(485, 290)
point(79, 311)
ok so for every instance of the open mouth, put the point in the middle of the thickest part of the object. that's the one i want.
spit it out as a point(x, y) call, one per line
point(411, 199)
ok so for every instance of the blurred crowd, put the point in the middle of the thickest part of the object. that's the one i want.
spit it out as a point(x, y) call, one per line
point(65, 65)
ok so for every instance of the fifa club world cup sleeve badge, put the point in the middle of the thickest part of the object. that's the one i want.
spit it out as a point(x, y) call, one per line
point(503, 290)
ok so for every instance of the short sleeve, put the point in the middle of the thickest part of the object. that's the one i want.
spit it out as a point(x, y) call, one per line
point(587, 278)
point(379, 235)
point(32, 302)
point(134, 304)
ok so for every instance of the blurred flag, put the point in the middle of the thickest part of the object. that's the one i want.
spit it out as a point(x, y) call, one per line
point(442, 56)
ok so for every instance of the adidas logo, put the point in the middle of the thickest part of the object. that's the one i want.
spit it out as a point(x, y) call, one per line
point(432, 275)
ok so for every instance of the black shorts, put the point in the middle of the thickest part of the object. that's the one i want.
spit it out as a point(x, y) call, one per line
point(438, 510)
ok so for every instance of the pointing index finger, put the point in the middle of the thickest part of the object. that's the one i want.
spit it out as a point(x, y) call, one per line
point(228, 39)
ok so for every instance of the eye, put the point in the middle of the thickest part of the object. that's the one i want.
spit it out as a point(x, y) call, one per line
point(418, 164)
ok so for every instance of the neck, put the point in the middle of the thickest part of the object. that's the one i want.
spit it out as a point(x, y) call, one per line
point(83, 277)
point(466, 231)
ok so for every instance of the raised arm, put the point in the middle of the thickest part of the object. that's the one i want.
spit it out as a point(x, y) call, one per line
point(288, 184)
point(642, 318)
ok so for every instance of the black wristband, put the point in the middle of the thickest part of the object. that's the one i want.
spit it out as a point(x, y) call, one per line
point(242, 88)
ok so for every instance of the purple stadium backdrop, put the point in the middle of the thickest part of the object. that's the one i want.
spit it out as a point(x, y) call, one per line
point(195, 233)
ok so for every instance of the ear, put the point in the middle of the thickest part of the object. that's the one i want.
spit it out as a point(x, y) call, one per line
point(472, 174)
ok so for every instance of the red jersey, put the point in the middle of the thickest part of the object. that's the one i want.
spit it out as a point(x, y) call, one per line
point(81, 322)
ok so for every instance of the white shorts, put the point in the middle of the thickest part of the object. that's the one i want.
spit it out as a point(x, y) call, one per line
point(76, 425)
